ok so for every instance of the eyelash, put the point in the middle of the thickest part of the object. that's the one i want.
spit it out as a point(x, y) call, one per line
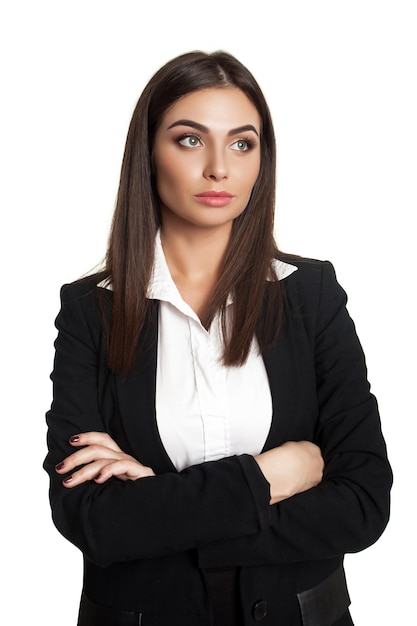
point(249, 142)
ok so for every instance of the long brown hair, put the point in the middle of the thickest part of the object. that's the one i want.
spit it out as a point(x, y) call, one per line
point(247, 261)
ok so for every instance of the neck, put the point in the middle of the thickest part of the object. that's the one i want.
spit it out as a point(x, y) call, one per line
point(194, 257)
point(194, 252)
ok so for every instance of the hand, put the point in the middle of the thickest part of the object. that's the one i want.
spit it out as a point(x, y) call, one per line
point(291, 468)
point(98, 460)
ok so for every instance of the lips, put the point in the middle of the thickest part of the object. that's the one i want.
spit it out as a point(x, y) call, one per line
point(215, 194)
point(214, 198)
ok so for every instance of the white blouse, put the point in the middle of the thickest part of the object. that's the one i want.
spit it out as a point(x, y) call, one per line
point(205, 411)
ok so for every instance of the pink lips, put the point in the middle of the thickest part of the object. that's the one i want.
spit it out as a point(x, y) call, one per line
point(214, 198)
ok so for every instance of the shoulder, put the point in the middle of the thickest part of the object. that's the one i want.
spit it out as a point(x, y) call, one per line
point(83, 304)
point(305, 264)
point(84, 289)
point(313, 285)
point(309, 271)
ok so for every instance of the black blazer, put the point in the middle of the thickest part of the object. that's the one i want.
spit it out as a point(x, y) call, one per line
point(146, 543)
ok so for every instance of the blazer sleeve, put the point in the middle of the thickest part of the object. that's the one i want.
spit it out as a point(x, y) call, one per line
point(349, 509)
point(121, 521)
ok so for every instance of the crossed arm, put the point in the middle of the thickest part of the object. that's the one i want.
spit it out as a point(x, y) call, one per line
point(291, 468)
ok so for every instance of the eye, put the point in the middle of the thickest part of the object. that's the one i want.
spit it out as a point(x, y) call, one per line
point(242, 145)
point(189, 141)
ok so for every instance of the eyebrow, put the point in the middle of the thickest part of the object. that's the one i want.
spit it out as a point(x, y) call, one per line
point(204, 129)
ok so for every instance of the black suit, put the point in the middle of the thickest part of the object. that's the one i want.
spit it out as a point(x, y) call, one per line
point(145, 542)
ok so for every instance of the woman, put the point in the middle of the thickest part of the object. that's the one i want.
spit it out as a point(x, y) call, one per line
point(214, 448)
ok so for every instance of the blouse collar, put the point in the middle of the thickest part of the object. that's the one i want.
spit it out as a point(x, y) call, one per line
point(162, 287)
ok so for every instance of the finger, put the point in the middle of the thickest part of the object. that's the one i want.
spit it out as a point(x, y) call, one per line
point(86, 455)
point(94, 437)
point(85, 474)
point(124, 469)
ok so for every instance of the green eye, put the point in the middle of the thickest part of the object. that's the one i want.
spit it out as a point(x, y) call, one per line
point(189, 141)
point(241, 145)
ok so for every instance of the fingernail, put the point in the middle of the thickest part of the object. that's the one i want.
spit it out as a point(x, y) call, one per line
point(74, 439)
point(67, 480)
point(97, 477)
point(59, 466)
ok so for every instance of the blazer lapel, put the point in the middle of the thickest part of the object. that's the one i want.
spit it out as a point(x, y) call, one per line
point(291, 383)
point(136, 400)
point(282, 376)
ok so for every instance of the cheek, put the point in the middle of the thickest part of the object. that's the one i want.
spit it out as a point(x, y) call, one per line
point(173, 175)
point(255, 173)
point(250, 175)
point(164, 173)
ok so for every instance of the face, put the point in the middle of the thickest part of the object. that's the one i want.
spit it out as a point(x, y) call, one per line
point(206, 158)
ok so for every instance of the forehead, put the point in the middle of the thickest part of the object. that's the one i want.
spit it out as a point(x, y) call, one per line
point(223, 108)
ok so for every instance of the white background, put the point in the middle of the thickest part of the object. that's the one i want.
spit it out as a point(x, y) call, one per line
point(340, 78)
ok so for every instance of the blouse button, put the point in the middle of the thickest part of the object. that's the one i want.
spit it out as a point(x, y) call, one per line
point(259, 611)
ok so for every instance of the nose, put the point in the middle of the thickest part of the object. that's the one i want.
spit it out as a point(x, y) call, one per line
point(216, 167)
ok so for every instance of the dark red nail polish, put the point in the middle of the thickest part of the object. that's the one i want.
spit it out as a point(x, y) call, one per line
point(97, 477)
point(59, 466)
point(67, 480)
point(74, 439)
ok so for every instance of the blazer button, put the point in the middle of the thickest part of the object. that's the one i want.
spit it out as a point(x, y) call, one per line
point(259, 611)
